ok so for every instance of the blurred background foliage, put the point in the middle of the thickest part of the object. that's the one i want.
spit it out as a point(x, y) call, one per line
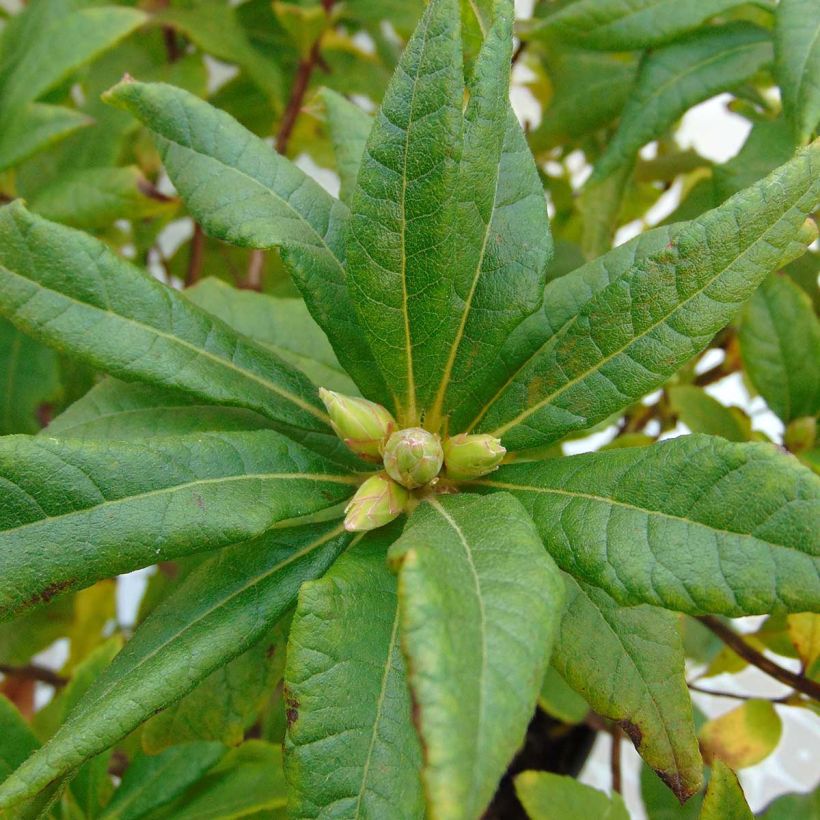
point(304, 74)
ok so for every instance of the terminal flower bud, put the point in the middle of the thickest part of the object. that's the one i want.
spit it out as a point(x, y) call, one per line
point(467, 457)
point(363, 425)
point(376, 503)
point(413, 457)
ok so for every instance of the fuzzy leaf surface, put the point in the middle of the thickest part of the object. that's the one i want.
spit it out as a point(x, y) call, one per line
point(674, 78)
point(628, 663)
point(694, 524)
point(73, 512)
point(347, 695)
point(220, 610)
point(69, 290)
point(243, 192)
point(780, 345)
point(468, 567)
point(636, 332)
point(399, 244)
point(797, 63)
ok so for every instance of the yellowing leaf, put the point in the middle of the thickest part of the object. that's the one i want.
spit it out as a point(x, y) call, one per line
point(743, 737)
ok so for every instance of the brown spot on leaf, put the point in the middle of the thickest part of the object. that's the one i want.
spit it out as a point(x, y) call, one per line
point(291, 708)
point(675, 783)
point(632, 731)
point(49, 592)
point(270, 651)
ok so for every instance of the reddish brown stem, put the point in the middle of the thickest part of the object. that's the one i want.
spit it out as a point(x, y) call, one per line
point(615, 759)
point(34, 672)
point(196, 256)
point(736, 643)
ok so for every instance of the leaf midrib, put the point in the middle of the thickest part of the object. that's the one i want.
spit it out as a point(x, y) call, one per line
point(498, 432)
point(379, 706)
point(199, 351)
point(318, 477)
point(505, 485)
point(475, 784)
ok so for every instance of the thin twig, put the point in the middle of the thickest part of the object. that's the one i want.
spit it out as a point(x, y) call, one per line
point(755, 658)
point(34, 672)
point(615, 758)
point(734, 696)
point(195, 257)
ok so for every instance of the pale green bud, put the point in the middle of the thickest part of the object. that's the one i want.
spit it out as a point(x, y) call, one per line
point(362, 425)
point(469, 457)
point(413, 457)
point(376, 503)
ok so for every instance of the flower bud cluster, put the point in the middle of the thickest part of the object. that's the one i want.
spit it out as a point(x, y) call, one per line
point(413, 458)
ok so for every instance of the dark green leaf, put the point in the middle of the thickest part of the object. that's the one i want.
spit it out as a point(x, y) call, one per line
point(247, 782)
point(780, 345)
point(243, 192)
point(73, 512)
point(71, 291)
point(347, 696)
point(30, 378)
point(703, 414)
point(797, 49)
point(400, 238)
point(468, 568)
point(559, 700)
point(636, 332)
point(628, 664)
point(794, 807)
point(676, 77)
point(696, 524)
point(219, 611)
point(152, 781)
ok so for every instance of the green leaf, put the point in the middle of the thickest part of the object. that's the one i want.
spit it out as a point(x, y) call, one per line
point(349, 126)
point(591, 90)
point(218, 612)
point(68, 42)
point(674, 78)
point(724, 798)
point(30, 378)
point(504, 242)
point(400, 237)
point(636, 332)
point(794, 807)
point(628, 664)
point(77, 511)
point(797, 65)
point(468, 567)
point(17, 741)
point(30, 633)
point(34, 128)
point(241, 191)
point(559, 700)
point(743, 737)
point(94, 198)
point(613, 25)
point(661, 804)
point(695, 524)
point(703, 414)
point(282, 325)
point(153, 781)
point(780, 345)
point(115, 410)
point(547, 796)
point(249, 780)
point(347, 695)
point(225, 705)
point(69, 290)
